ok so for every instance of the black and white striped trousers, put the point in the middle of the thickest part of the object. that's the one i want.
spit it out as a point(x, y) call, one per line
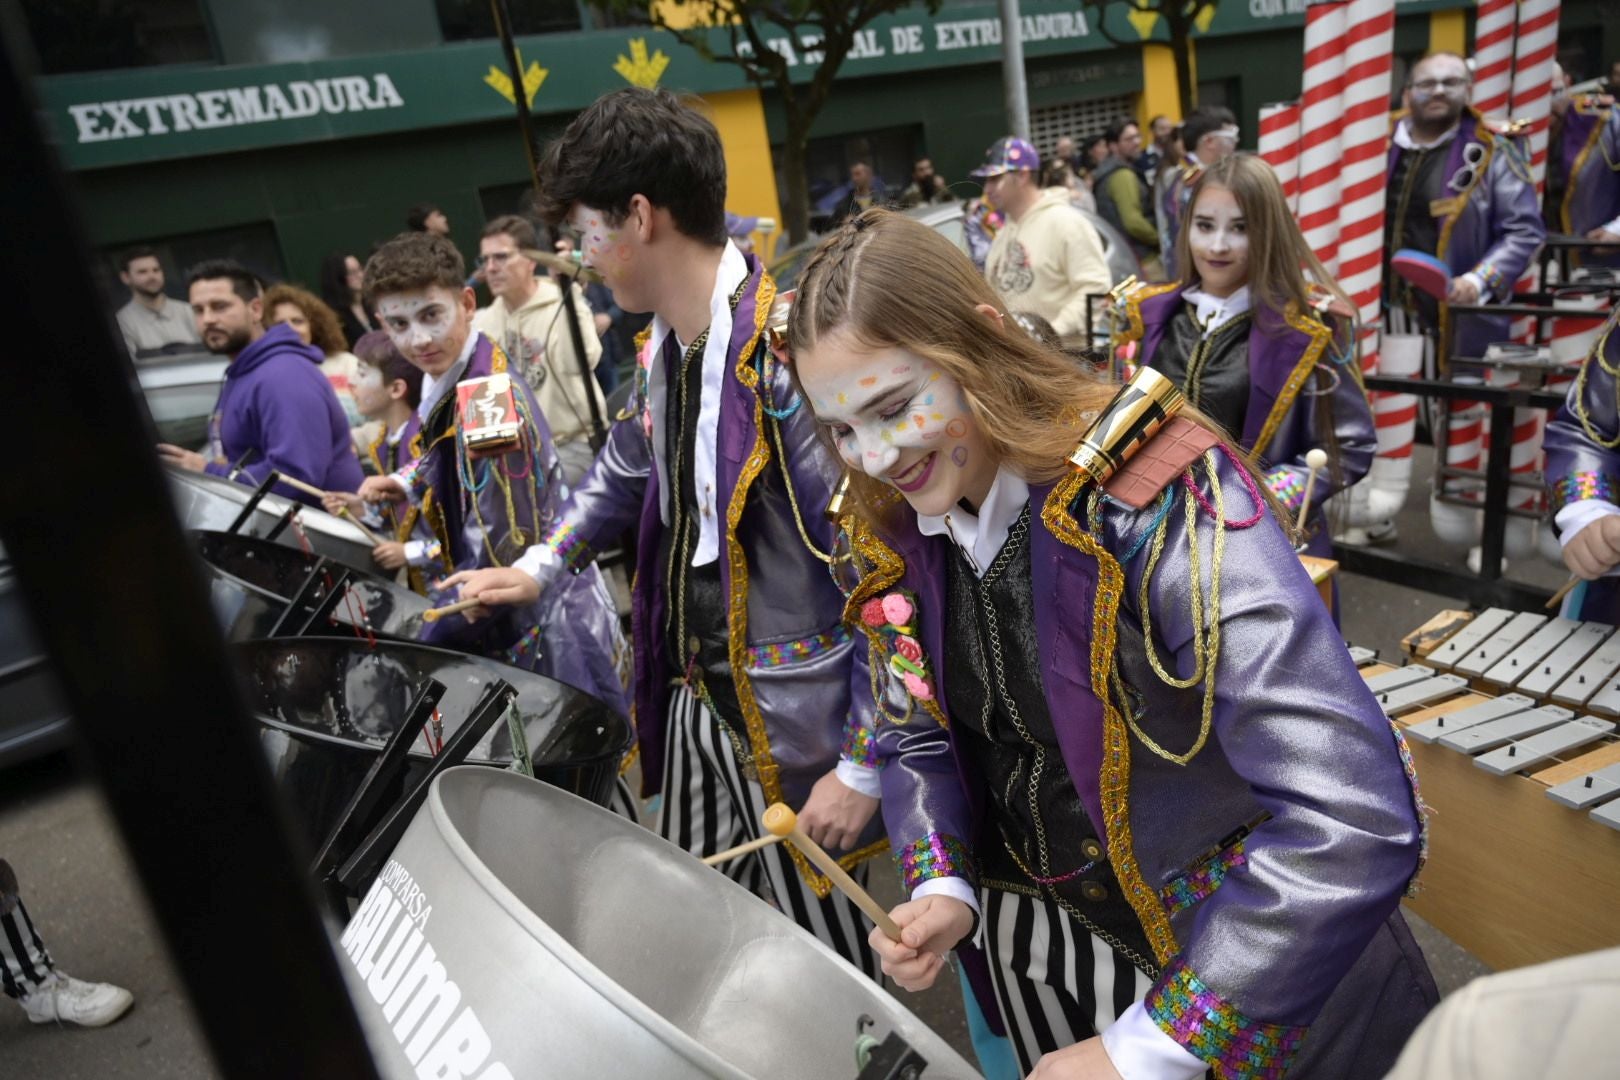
point(24, 962)
point(709, 806)
point(623, 801)
point(1057, 983)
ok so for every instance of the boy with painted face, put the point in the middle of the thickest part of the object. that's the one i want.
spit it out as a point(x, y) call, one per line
point(483, 509)
point(1181, 814)
point(719, 471)
point(1251, 341)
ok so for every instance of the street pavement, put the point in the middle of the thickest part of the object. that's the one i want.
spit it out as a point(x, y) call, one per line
point(82, 893)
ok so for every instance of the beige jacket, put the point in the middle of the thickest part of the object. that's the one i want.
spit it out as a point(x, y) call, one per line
point(1048, 262)
point(1551, 1020)
point(538, 345)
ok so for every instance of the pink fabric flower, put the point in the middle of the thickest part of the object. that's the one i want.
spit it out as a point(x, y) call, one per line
point(873, 613)
point(918, 688)
point(908, 648)
point(897, 608)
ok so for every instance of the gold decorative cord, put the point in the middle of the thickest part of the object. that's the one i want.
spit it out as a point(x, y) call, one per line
point(1580, 390)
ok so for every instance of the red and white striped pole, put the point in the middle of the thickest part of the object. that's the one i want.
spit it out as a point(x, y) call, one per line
point(1494, 28)
point(1279, 146)
point(1321, 119)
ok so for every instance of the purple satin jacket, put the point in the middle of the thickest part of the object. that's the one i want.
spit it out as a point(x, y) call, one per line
point(1286, 943)
point(1580, 467)
point(571, 633)
point(801, 676)
point(1591, 149)
point(1495, 231)
point(1283, 422)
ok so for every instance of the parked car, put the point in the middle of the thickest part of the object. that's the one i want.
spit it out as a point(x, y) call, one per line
point(180, 392)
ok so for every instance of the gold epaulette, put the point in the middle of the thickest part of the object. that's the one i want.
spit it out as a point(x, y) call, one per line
point(1325, 302)
point(1157, 463)
point(1507, 128)
point(1592, 104)
point(1127, 298)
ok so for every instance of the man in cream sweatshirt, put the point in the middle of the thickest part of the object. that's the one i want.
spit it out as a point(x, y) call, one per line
point(1047, 258)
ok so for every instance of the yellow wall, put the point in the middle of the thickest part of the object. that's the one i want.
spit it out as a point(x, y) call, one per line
point(1161, 92)
point(1448, 32)
point(750, 176)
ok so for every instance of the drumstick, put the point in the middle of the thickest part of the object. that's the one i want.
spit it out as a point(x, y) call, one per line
point(780, 820)
point(1314, 460)
point(1563, 591)
point(437, 613)
point(742, 849)
point(343, 511)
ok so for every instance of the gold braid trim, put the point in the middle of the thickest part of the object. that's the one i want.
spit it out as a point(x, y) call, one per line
point(1115, 778)
point(1320, 334)
point(759, 739)
point(1598, 350)
point(1575, 172)
point(1136, 328)
point(1443, 245)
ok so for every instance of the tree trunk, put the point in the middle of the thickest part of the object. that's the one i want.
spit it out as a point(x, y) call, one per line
point(1180, 44)
point(794, 175)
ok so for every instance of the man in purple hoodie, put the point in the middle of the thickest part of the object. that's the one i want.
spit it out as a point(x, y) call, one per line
point(276, 410)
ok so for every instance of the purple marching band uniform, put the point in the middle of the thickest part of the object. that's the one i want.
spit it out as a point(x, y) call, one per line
point(1590, 151)
point(739, 563)
point(390, 452)
point(1583, 466)
point(1239, 838)
point(484, 511)
point(277, 411)
point(1470, 201)
point(1283, 388)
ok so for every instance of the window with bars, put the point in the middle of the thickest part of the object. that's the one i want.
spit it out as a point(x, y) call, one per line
point(1076, 119)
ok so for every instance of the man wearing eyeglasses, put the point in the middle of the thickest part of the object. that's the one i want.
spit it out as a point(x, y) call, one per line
point(527, 320)
point(1459, 189)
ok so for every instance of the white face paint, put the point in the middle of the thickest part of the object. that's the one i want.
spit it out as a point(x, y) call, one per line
point(1220, 242)
point(428, 326)
point(899, 419)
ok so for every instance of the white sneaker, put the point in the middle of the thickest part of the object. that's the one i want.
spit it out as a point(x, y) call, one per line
point(64, 999)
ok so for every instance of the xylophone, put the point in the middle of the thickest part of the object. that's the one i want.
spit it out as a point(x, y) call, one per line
point(1511, 721)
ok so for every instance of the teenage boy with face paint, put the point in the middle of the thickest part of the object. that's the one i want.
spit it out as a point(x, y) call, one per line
point(484, 509)
point(1459, 189)
point(276, 409)
point(720, 473)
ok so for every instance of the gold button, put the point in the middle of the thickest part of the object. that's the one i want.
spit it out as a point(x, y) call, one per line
point(1094, 891)
point(1093, 849)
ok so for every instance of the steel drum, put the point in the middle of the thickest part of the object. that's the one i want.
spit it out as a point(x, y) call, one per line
point(252, 582)
point(327, 705)
point(210, 502)
point(539, 935)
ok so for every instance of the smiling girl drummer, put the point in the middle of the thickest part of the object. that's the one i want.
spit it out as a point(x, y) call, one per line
point(1183, 818)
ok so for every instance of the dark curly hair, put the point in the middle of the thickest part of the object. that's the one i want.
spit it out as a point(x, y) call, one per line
point(325, 332)
point(413, 260)
point(645, 142)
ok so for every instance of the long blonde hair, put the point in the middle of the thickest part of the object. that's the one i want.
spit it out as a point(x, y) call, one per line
point(893, 282)
point(1279, 257)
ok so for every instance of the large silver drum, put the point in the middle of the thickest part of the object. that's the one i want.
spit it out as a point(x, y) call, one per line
point(519, 931)
point(210, 502)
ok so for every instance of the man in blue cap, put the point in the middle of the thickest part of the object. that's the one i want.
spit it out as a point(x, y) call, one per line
point(1047, 259)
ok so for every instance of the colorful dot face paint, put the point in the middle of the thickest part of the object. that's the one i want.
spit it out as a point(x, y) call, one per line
point(872, 402)
point(428, 326)
point(610, 250)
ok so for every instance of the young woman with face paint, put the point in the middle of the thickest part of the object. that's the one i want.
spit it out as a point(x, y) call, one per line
point(1178, 811)
point(1245, 335)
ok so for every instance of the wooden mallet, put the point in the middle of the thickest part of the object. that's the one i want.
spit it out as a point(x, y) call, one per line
point(742, 849)
point(437, 613)
point(343, 512)
point(1315, 460)
point(779, 820)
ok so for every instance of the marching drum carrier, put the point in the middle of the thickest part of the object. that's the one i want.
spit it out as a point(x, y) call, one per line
point(519, 931)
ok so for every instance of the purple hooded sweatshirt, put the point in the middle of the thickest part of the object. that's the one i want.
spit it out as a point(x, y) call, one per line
point(278, 409)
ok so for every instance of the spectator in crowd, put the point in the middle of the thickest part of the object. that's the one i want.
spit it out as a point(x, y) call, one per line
point(276, 410)
point(1612, 86)
point(341, 277)
point(864, 190)
point(1210, 135)
point(1147, 162)
point(1065, 152)
point(608, 317)
point(1047, 258)
point(1093, 152)
point(1165, 189)
point(151, 323)
point(31, 978)
point(1122, 197)
point(926, 186)
point(741, 230)
point(526, 320)
point(425, 217)
point(1058, 175)
point(317, 325)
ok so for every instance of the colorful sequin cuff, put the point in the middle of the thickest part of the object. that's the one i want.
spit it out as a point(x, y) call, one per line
point(934, 856)
point(1492, 277)
point(1583, 485)
point(1191, 887)
point(570, 548)
point(1288, 486)
point(794, 652)
point(859, 746)
point(1210, 1027)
